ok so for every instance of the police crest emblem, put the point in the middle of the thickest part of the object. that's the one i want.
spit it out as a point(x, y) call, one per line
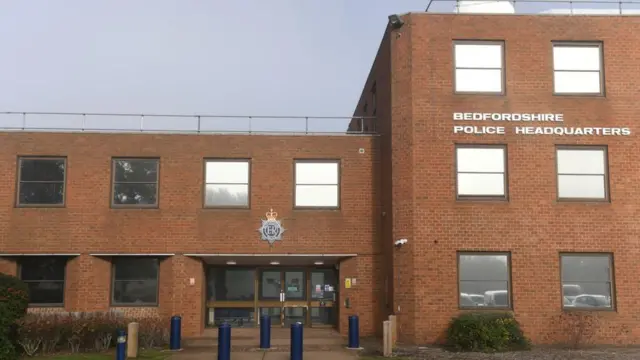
point(271, 229)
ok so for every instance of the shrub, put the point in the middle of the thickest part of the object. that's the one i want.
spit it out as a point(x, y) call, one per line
point(486, 332)
point(85, 332)
point(14, 299)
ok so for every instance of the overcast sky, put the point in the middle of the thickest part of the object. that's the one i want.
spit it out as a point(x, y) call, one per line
point(240, 57)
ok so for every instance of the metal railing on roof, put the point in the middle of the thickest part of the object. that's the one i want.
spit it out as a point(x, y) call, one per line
point(540, 7)
point(186, 124)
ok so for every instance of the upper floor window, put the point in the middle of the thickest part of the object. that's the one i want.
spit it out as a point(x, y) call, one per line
point(135, 182)
point(582, 173)
point(317, 184)
point(481, 171)
point(41, 181)
point(479, 67)
point(484, 280)
point(587, 280)
point(135, 281)
point(45, 277)
point(227, 183)
point(577, 68)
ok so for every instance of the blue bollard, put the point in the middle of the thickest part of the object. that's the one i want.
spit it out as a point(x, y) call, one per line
point(121, 345)
point(174, 340)
point(265, 332)
point(354, 332)
point(296, 341)
point(224, 342)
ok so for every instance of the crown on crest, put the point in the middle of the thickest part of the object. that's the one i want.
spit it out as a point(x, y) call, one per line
point(271, 215)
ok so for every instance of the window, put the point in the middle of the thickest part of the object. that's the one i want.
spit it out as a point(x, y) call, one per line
point(44, 275)
point(135, 182)
point(577, 69)
point(484, 280)
point(226, 183)
point(135, 281)
point(587, 281)
point(317, 184)
point(582, 173)
point(479, 67)
point(41, 181)
point(481, 171)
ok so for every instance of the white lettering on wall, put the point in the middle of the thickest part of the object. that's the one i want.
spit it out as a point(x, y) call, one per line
point(530, 130)
point(507, 117)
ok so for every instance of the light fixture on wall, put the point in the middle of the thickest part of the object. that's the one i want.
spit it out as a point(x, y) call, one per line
point(275, 263)
point(318, 263)
point(231, 262)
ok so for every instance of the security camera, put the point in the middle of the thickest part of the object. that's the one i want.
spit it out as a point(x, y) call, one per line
point(400, 242)
point(395, 21)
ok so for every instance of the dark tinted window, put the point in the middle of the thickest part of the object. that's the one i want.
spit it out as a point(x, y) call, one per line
point(41, 181)
point(45, 278)
point(135, 281)
point(135, 182)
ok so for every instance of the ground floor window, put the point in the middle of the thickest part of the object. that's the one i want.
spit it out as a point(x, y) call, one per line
point(45, 277)
point(587, 280)
point(135, 281)
point(484, 280)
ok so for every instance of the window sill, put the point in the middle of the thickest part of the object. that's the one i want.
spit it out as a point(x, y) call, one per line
point(583, 201)
point(486, 308)
point(311, 208)
point(581, 96)
point(39, 206)
point(588, 309)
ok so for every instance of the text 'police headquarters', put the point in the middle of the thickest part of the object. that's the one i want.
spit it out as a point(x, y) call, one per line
point(529, 130)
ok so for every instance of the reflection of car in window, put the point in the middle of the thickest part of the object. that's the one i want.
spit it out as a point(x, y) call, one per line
point(571, 291)
point(496, 298)
point(465, 300)
point(592, 301)
point(567, 301)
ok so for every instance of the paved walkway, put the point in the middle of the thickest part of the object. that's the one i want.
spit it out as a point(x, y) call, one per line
point(266, 355)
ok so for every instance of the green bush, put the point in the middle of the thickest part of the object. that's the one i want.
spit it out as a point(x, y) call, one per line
point(14, 299)
point(486, 332)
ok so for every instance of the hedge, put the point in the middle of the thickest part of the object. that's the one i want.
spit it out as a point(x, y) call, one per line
point(85, 332)
point(486, 332)
point(14, 299)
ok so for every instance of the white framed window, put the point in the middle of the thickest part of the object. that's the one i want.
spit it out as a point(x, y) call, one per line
point(227, 183)
point(587, 281)
point(481, 171)
point(479, 66)
point(582, 172)
point(317, 184)
point(577, 68)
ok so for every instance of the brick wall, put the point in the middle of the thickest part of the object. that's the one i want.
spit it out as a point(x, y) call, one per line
point(532, 225)
point(87, 224)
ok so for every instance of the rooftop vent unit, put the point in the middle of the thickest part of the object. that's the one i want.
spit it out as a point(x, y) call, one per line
point(485, 7)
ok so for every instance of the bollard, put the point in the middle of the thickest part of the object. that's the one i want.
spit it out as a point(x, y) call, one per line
point(132, 340)
point(175, 335)
point(265, 332)
point(224, 342)
point(296, 341)
point(121, 343)
point(354, 332)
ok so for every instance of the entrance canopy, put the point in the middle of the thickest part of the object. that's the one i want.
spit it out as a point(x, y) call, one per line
point(273, 259)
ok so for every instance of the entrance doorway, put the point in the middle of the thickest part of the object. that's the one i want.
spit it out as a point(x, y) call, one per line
point(240, 296)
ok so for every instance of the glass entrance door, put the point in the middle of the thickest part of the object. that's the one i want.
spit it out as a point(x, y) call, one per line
point(283, 296)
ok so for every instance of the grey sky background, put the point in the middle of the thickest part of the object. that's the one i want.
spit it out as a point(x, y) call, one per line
point(221, 57)
point(232, 57)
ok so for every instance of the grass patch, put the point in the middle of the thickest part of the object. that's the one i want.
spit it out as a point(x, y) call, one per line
point(145, 355)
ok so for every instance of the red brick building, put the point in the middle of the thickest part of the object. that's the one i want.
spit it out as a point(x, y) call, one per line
point(499, 175)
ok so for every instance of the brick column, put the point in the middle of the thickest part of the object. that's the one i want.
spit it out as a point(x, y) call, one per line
point(188, 299)
point(8, 266)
